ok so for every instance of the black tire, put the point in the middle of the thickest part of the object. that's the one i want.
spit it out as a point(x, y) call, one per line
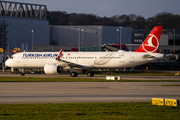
point(74, 74)
point(84, 71)
point(22, 74)
point(90, 74)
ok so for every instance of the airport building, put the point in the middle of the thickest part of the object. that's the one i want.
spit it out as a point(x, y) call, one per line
point(89, 35)
point(23, 25)
point(168, 37)
point(85, 37)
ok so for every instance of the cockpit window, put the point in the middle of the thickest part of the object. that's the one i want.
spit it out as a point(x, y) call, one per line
point(10, 57)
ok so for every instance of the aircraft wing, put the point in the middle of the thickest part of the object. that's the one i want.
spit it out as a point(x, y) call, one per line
point(71, 64)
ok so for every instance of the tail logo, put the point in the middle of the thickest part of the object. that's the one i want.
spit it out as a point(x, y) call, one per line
point(151, 44)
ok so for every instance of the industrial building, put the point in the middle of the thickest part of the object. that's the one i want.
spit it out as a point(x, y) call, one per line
point(89, 35)
point(23, 25)
point(168, 37)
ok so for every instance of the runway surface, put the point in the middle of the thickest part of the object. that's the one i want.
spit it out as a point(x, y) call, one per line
point(82, 92)
point(95, 76)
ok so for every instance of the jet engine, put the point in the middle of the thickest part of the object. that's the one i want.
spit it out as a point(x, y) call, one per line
point(52, 69)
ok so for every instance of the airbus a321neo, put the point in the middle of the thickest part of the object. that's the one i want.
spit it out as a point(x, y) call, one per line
point(55, 62)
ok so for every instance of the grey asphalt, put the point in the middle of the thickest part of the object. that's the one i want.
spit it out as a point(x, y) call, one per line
point(82, 92)
point(95, 76)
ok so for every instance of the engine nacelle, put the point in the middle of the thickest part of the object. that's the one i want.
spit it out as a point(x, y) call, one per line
point(52, 69)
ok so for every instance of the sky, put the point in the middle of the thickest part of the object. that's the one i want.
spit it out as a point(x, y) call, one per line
point(109, 8)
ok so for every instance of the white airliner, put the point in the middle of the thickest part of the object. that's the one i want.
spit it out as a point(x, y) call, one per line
point(54, 62)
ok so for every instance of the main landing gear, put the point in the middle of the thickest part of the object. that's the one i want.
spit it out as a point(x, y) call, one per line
point(75, 74)
point(90, 74)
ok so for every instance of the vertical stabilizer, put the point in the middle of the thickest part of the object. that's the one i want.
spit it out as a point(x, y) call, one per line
point(151, 43)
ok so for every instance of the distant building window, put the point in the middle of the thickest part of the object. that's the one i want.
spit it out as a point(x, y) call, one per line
point(138, 40)
point(138, 35)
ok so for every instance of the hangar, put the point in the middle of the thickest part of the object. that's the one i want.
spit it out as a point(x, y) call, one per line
point(89, 35)
point(23, 25)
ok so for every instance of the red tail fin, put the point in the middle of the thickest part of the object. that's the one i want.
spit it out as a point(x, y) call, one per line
point(151, 43)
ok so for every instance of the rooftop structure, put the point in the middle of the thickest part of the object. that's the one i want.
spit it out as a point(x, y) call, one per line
point(17, 9)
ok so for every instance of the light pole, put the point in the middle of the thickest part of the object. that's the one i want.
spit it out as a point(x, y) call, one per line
point(79, 29)
point(120, 37)
point(79, 38)
point(117, 37)
point(174, 40)
point(99, 37)
point(117, 34)
point(82, 36)
point(32, 39)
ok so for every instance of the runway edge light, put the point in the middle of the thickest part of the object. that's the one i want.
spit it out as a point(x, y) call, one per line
point(171, 102)
point(113, 78)
point(177, 74)
point(158, 101)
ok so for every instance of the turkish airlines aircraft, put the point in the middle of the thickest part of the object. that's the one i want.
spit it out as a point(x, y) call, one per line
point(54, 62)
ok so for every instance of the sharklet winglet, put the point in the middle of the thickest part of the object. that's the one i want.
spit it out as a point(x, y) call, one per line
point(59, 55)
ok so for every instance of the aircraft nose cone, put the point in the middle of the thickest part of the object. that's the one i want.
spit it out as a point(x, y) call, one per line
point(7, 63)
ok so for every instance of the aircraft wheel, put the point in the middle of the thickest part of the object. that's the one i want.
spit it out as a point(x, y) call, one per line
point(90, 74)
point(22, 74)
point(74, 74)
point(84, 71)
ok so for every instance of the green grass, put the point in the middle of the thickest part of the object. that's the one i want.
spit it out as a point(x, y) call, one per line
point(88, 111)
point(33, 79)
